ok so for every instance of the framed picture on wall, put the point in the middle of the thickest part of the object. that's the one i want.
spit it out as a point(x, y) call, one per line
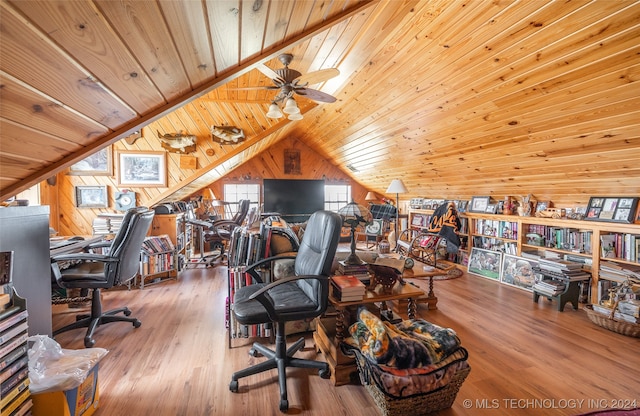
point(142, 168)
point(91, 196)
point(479, 203)
point(613, 209)
point(96, 164)
point(485, 263)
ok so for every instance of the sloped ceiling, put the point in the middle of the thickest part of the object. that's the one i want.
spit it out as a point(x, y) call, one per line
point(457, 98)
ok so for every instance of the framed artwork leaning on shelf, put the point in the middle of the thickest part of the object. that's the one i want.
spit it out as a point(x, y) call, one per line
point(613, 209)
point(518, 271)
point(485, 263)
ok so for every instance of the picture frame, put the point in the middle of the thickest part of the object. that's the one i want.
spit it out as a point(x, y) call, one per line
point(542, 205)
point(99, 163)
point(142, 168)
point(485, 263)
point(491, 209)
point(292, 162)
point(91, 196)
point(479, 203)
point(612, 209)
point(519, 272)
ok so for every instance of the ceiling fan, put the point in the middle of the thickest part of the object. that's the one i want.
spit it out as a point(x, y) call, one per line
point(291, 82)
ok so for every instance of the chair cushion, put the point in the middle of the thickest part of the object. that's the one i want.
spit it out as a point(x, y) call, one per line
point(87, 274)
point(287, 298)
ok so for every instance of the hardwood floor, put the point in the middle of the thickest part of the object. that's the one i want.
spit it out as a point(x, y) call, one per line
point(526, 358)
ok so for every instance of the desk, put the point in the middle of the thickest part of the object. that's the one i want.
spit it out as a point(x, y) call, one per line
point(330, 331)
point(62, 245)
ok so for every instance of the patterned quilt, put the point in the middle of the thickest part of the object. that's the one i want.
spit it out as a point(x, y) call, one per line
point(411, 357)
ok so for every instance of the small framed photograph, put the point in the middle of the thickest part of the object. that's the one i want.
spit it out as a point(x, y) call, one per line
point(479, 203)
point(485, 263)
point(97, 164)
point(614, 209)
point(142, 168)
point(91, 196)
point(492, 209)
point(542, 205)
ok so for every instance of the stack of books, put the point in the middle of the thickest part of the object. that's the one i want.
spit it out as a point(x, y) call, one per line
point(360, 271)
point(564, 269)
point(347, 288)
point(549, 287)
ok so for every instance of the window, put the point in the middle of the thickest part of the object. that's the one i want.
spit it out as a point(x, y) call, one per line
point(336, 196)
point(234, 192)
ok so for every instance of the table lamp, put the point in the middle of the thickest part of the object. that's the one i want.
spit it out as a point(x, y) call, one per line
point(397, 187)
point(370, 197)
point(354, 215)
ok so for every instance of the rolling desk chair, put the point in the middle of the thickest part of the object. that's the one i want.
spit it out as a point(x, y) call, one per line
point(303, 295)
point(103, 271)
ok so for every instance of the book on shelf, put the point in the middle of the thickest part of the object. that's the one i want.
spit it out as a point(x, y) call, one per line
point(12, 356)
point(338, 295)
point(14, 367)
point(13, 331)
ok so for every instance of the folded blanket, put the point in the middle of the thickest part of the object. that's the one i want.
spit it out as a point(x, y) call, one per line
point(411, 344)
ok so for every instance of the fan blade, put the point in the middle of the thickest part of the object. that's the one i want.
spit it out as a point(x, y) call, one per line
point(270, 73)
point(266, 87)
point(315, 95)
point(318, 76)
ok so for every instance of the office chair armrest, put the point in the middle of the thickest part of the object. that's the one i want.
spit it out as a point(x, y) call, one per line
point(99, 244)
point(261, 295)
point(84, 257)
point(251, 269)
point(200, 223)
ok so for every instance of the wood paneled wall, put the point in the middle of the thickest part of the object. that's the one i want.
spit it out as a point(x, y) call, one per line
point(67, 219)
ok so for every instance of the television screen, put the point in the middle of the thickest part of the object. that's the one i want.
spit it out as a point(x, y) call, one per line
point(293, 196)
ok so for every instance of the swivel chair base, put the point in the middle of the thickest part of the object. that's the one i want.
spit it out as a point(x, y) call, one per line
point(97, 318)
point(281, 358)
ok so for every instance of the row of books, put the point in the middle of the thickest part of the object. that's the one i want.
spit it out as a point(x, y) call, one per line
point(495, 244)
point(157, 263)
point(549, 287)
point(627, 310)
point(620, 245)
point(495, 228)
point(618, 272)
point(347, 288)
point(239, 278)
point(563, 238)
point(157, 244)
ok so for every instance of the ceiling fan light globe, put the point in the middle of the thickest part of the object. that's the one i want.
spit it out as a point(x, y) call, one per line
point(274, 111)
point(291, 107)
point(296, 116)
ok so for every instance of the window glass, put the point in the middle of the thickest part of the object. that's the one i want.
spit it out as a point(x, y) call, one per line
point(234, 192)
point(336, 196)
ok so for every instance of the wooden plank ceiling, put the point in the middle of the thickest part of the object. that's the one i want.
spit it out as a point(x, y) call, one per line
point(458, 98)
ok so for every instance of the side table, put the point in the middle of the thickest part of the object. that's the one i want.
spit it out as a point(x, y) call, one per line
point(422, 272)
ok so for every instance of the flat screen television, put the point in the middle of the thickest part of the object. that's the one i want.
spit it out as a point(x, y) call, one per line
point(293, 197)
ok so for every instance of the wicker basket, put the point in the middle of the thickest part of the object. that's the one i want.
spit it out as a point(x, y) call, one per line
point(417, 404)
point(612, 324)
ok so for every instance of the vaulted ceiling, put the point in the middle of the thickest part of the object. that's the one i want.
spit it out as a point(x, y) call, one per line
point(458, 98)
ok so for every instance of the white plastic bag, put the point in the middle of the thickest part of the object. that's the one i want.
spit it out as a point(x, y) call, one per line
point(52, 368)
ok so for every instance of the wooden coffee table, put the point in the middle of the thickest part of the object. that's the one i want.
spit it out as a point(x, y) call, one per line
point(420, 271)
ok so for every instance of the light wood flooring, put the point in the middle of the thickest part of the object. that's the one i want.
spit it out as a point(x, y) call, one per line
point(526, 358)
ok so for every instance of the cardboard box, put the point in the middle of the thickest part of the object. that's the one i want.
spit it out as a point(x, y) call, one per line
point(80, 401)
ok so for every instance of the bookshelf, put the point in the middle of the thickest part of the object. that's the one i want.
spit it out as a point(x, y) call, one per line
point(158, 259)
point(14, 368)
point(580, 241)
point(179, 232)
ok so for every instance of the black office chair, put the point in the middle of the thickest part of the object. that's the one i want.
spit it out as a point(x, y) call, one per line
point(302, 296)
point(103, 271)
point(217, 233)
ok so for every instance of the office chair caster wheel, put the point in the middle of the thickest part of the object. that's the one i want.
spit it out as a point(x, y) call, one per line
point(233, 386)
point(284, 405)
point(89, 342)
point(324, 373)
point(126, 312)
point(254, 353)
point(137, 323)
